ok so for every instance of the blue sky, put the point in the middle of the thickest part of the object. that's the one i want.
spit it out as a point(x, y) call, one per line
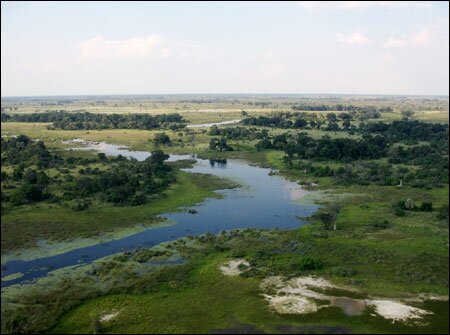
point(375, 47)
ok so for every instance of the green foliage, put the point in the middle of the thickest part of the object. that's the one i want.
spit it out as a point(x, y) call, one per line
point(426, 207)
point(309, 264)
point(161, 139)
point(327, 216)
point(381, 224)
point(23, 150)
point(84, 120)
point(219, 144)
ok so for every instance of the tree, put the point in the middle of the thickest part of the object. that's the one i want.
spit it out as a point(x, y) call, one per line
point(300, 123)
point(263, 144)
point(221, 145)
point(346, 124)
point(332, 126)
point(331, 117)
point(407, 114)
point(101, 157)
point(161, 139)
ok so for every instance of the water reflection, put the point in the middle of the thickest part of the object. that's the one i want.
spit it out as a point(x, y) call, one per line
point(263, 201)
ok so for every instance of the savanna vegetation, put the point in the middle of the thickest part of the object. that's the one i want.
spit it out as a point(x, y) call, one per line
point(378, 168)
point(85, 120)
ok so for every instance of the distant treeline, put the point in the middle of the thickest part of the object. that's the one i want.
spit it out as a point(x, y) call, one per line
point(239, 133)
point(376, 139)
point(408, 130)
point(297, 120)
point(340, 107)
point(429, 161)
point(346, 149)
point(84, 120)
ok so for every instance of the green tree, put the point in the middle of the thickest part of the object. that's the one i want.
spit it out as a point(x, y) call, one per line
point(161, 139)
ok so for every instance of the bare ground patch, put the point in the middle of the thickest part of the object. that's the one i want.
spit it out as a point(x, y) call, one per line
point(302, 295)
point(234, 267)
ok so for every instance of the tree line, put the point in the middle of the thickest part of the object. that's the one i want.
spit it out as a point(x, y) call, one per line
point(85, 120)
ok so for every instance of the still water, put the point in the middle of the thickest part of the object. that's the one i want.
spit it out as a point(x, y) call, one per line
point(263, 201)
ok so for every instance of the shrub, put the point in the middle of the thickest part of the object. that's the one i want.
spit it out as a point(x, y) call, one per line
point(381, 224)
point(307, 264)
point(399, 212)
point(426, 207)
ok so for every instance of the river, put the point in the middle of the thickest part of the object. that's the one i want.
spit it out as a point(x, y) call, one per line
point(263, 201)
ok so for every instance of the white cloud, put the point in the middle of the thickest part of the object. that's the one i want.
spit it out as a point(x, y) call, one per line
point(353, 38)
point(421, 38)
point(395, 43)
point(184, 54)
point(362, 5)
point(387, 57)
point(135, 47)
point(165, 52)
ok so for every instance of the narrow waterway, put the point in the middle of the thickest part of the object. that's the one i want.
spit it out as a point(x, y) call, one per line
point(263, 201)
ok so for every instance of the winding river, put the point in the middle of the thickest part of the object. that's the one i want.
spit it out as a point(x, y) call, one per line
point(263, 201)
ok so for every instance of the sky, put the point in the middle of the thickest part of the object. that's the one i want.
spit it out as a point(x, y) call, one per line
point(302, 47)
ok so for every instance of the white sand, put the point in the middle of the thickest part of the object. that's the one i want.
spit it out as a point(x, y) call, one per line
point(294, 296)
point(108, 317)
point(290, 304)
point(396, 310)
point(297, 296)
point(232, 267)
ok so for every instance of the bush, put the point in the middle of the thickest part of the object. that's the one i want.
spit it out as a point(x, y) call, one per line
point(443, 213)
point(307, 264)
point(381, 225)
point(399, 212)
point(426, 207)
point(342, 271)
point(82, 205)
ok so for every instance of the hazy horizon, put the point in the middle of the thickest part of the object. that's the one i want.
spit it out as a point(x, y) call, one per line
point(224, 94)
point(157, 48)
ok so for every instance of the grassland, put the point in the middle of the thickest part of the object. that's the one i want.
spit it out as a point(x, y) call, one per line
point(402, 261)
point(406, 259)
point(22, 228)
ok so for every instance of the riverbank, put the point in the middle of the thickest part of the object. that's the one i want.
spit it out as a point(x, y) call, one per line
point(373, 250)
point(22, 229)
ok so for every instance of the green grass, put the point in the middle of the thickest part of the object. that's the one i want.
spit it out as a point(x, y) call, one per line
point(211, 301)
point(22, 227)
point(406, 259)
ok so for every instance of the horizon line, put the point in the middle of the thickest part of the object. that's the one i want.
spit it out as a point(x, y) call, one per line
point(212, 94)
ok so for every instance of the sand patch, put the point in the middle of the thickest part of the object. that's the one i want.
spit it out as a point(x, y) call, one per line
point(108, 317)
point(300, 296)
point(294, 296)
point(232, 268)
point(396, 311)
point(290, 304)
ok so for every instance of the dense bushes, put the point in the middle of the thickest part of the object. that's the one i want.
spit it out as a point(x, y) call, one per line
point(408, 131)
point(23, 150)
point(340, 149)
point(119, 180)
point(238, 133)
point(125, 182)
point(85, 120)
point(219, 144)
